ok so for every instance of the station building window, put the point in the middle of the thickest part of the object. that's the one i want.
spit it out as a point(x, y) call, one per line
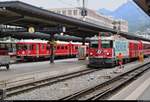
point(59, 12)
point(63, 12)
point(75, 12)
point(69, 12)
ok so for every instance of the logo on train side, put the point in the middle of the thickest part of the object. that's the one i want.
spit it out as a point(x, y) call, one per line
point(99, 51)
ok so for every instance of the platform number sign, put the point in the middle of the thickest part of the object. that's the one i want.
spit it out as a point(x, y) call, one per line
point(31, 30)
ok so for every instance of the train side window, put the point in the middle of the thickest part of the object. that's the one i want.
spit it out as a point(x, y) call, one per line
point(30, 47)
point(25, 47)
point(62, 47)
point(48, 47)
point(58, 47)
point(42, 46)
point(66, 47)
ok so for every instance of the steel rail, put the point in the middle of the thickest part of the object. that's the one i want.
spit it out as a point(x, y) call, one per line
point(18, 89)
point(103, 90)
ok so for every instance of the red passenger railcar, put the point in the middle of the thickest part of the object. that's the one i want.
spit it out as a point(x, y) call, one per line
point(33, 49)
point(146, 48)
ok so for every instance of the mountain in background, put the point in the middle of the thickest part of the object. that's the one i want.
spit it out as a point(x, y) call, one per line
point(137, 19)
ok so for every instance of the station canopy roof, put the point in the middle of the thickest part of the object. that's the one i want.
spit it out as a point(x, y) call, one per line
point(20, 14)
point(144, 5)
point(37, 35)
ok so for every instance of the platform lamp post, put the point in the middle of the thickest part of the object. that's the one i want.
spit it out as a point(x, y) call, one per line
point(51, 48)
point(83, 41)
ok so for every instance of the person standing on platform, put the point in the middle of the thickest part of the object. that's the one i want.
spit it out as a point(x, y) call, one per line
point(120, 60)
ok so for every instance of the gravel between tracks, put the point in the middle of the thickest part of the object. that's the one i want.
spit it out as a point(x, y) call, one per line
point(61, 89)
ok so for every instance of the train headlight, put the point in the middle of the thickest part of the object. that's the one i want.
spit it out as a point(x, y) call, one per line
point(107, 53)
point(23, 52)
point(91, 53)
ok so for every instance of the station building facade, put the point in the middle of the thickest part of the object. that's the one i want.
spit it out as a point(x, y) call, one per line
point(94, 17)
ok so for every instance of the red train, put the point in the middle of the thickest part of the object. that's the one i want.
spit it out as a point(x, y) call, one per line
point(104, 50)
point(32, 49)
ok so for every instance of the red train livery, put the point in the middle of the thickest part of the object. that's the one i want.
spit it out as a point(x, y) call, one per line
point(104, 50)
point(33, 49)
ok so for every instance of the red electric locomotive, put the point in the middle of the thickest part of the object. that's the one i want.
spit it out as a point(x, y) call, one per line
point(104, 50)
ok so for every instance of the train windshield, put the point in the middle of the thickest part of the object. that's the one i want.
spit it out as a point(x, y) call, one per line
point(21, 47)
point(105, 44)
point(94, 44)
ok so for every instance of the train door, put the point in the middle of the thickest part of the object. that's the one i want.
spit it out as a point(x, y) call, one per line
point(70, 49)
point(37, 50)
point(28, 49)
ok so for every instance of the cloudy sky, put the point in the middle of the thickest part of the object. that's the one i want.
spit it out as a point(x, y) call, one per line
point(93, 4)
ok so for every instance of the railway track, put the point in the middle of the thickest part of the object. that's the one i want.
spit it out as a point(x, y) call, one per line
point(18, 89)
point(108, 88)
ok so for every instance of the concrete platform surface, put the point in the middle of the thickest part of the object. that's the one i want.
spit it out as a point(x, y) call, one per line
point(37, 67)
point(137, 90)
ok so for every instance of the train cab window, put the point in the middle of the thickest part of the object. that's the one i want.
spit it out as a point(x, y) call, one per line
point(107, 44)
point(94, 44)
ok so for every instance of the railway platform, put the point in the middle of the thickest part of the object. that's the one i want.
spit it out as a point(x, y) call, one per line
point(30, 68)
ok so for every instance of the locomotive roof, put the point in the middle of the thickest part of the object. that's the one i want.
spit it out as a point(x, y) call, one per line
point(109, 38)
point(145, 42)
